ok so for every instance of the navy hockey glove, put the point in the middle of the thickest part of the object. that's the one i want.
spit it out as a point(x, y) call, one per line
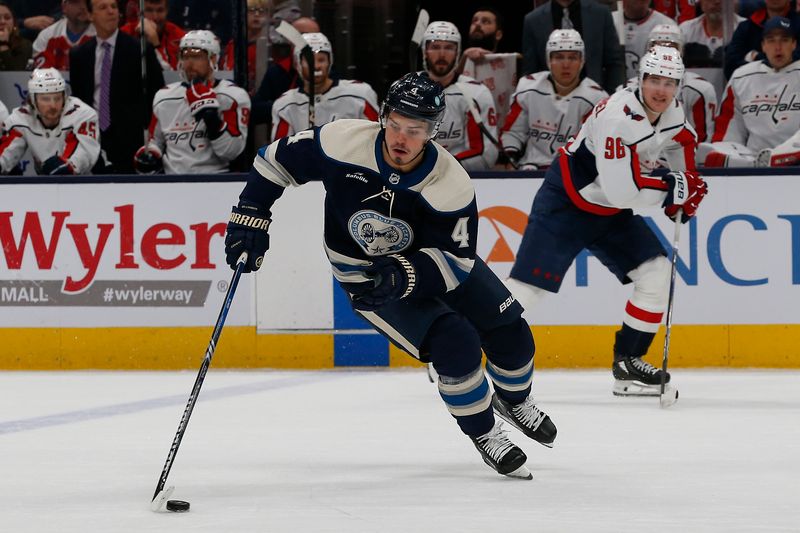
point(147, 160)
point(247, 232)
point(56, 166)
point(685, 191)
point(394, 277)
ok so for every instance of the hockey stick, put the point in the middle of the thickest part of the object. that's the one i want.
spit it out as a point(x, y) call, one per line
point(476, 115)
point(161, 494)
point(296, 38)
point(143, 46)
point(669, 395)
point(416, 39)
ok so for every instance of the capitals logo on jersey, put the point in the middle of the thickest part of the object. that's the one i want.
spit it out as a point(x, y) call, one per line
point(631, 113)
point(379, 235)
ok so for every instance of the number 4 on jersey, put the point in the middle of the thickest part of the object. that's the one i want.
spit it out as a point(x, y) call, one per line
point(461, 233)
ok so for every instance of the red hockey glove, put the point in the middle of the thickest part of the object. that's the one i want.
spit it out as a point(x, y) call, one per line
point(685, 191)
point(147, 160)
point(201, 96)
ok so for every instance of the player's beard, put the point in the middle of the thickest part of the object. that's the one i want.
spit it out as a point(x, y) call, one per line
point(478, 39)
point(441, 69)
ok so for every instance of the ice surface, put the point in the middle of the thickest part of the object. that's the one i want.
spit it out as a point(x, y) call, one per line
point(376, 451)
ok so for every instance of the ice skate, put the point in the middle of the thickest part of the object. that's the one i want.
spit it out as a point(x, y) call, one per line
point(528, 418)
point(502, 454)
point(636, 377)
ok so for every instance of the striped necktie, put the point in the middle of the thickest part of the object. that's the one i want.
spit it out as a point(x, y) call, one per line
point(566, 22)
point(104, 113)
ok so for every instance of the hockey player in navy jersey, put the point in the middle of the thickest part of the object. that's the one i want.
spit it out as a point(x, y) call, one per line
point(401, 241)
point(586, 201)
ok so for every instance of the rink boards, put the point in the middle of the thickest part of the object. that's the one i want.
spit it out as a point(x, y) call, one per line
point(131, 274)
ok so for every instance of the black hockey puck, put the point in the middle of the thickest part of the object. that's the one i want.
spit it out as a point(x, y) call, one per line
point(177, 506)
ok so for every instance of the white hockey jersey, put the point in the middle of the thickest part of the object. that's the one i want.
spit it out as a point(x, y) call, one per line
point(3, 113)
point(51, 47)
point(699, 101)
point(184, 141)
point(75, 138)
point(637, 34)
point(540, 121)
point(617, 148)
point(345, 99)
point(694, 31)
point(760, 107)
point(460, 133)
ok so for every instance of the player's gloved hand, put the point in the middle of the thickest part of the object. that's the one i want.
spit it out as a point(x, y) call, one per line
point(56, 166)
point(685, 191)
point(394, 277)
point(147, 160)
point(764, 158)
point(201, 96)
point(247, 232)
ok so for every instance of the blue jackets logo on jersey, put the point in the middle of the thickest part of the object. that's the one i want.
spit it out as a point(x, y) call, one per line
point(379, 235)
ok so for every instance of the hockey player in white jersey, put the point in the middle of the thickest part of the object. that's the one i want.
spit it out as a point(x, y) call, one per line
point(461, 133)
point(60, 131)
point(696, 94)
point(587, 201)
point(199, 125)
point(548, 107)
point(333, 99)
point(761, 105)
point(640, 19)
point(401, 226)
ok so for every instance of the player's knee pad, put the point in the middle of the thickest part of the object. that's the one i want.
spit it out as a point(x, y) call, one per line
point(509, 353)
point(650, 293)
point(526, 294)
point(453, 346)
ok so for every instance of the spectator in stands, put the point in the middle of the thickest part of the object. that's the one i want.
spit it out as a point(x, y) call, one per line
point(334, 99)
point(281, 74)
point(758, 111)
point(485, 32)
point(212, 15)
point(677, 10)
point(703, 36)
point(256, 20)
point(697, 95)
point(745, 45)
point(640, 20)
point(59, 130)
point(200, 124)
point(470, 104)
point(51, 47)
point(549, 107)
point(107, 71)
point(163, 35)
point(15, 50)
point(35, 15)
point(605, 60)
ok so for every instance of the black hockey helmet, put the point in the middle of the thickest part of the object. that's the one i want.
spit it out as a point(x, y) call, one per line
point(416, 96)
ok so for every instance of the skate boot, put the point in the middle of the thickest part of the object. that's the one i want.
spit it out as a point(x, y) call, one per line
point(636, 377)
point(528, 418)
point(502, 454)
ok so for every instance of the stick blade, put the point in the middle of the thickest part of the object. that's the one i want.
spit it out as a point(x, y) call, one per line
point(161, 498)
point(291, 34)
point(419, 30)
point(669, 397)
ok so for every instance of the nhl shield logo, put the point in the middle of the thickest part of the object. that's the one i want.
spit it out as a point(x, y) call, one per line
point(378, 234)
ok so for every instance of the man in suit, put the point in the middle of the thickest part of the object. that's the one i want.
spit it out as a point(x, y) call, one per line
point(106, 72)
point(605, 58)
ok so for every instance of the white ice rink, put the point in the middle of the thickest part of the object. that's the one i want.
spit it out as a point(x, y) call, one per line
point(376, 451)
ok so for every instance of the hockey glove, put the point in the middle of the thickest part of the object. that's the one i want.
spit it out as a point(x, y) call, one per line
point(147, 160)
point(394, 277)
point(685, 191)
point(56, 166)
point(247, 232)
point(201, 96)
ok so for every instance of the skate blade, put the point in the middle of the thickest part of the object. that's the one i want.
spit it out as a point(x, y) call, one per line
point(635, 388)
point(521, 473)
point(161, 498)
point(669, 397)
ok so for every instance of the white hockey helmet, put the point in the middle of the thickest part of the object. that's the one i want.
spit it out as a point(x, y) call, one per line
point(565, 41)
point(661, 61)
point(201, 40)
point(665, 33)
point(318, 43)
point(440, 30)
point(45, 81)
